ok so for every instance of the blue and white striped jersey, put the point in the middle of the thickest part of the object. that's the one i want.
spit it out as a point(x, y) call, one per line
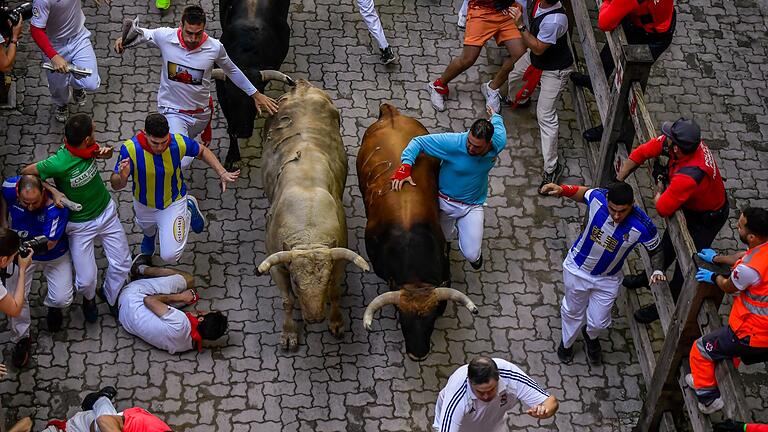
point(603, 246)
point(459, 410)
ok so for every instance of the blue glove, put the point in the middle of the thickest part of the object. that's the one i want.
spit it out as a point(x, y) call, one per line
point(706, 276)
point(707, 255)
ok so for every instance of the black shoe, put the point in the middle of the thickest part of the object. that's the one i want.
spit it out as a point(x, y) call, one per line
point(90, 312)
point(636, 281)
point(593, 348)
point(109, 392)
point(565, 354)
point(647, 314)
point(114, 310)
point(139, 260)
point(581, 80)
point(387, 56)
point(594, 134)
point(21, 353)
point(54, 319)
point(508, 102)
point(477, 264)
point(551, 177)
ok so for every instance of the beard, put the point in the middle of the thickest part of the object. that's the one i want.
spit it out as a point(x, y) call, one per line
point(744, 239)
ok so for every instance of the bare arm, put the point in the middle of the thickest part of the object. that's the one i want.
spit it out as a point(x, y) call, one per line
point(628, 167)
point(725, 284)
point(110, 423)
point(3, 212)
point(158, 304)
point(546, 409)
point(728, 260)
point(12, 304)
point(30, 169)
point(552, 189)
point(209, 158)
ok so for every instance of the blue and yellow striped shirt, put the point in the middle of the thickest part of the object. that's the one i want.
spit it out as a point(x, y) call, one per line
point(157, 179)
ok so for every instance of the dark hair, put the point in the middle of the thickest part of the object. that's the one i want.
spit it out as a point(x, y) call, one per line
point(28, 182)
point(620, 193)
point(687, 148)
point(156, 125)
point(482, 370)
point(213, 325)
point(757, 221)
point(482, 129)
point(193, 14)
point(9, 242)
point(77, 129)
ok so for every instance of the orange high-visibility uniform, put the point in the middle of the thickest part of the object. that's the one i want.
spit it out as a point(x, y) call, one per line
point(748, 319)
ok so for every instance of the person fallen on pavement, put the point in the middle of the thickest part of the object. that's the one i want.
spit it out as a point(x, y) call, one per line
point(147, 309)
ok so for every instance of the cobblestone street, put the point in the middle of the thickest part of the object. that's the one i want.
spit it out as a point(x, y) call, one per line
point(715, 71)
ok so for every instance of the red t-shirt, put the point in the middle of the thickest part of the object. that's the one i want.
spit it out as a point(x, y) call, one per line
point(659, 12)
point(139, 420)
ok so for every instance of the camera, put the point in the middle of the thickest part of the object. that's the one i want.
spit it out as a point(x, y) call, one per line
point(14, 15)
point(38, 244)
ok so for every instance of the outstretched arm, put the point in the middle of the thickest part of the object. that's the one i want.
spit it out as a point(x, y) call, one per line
point(209, 158)
point(576, 193)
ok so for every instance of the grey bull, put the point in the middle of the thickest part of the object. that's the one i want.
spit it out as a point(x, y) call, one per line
point(304, 169)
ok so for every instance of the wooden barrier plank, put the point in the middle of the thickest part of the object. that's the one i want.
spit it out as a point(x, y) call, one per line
point(592, 58)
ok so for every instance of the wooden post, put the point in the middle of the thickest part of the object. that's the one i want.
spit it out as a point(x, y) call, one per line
point(618, 127)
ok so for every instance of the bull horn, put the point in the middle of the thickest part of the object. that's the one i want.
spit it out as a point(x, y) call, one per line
point(344, 253)
point(269, 75)
point(282, 257)
point(218, 74)
point(457, 296)
point(388, 298)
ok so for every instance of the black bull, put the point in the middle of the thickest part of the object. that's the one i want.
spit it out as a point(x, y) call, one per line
point(403, 237)
point(255, 34)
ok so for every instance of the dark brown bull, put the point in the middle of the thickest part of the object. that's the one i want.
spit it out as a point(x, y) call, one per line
point(403, 236)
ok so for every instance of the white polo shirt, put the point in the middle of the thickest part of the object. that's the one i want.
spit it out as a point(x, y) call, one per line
point(61, 19)
point(3, 291)
point(171, 332)
point(459, 410)
point(185, 81)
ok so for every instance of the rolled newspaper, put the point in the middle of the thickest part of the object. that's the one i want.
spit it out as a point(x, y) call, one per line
point(73, 69)
point(71, 205)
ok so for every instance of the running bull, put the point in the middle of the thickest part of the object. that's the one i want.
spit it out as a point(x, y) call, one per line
point(403, 237)
point(255, 34)
point(304, 173)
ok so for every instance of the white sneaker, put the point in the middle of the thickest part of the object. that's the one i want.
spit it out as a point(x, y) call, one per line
point(492, 97)
point(462, 22)
point(61, 113)
point(438, 100)
point(79, 96)
point(689, 380)
point(713, 407)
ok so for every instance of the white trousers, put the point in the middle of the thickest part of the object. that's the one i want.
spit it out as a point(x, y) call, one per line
point(371, 18)
point(82, 236)
point(552, 84)
point(58, 274)
point(591, 298)
point(78, 51)
point(173, 224)
point(468, 220)
point(190, 125)
point(464, 8)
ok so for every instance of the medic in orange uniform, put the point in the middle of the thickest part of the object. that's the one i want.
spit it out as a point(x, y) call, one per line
point(745, 338)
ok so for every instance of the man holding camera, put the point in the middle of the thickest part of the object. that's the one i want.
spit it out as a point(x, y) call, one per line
point(695, 186)
point(73, 168)
point(40, 225)
point(58, 28)
point(9, 45)
point(160, 198)
point(10, 243)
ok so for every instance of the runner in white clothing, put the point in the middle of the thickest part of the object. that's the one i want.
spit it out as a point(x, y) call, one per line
point(146, 311)
point(372, 21)
point(58, 28)
point(185, 83)
point(479, 395)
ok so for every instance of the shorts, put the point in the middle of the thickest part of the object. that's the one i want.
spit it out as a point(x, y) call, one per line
point(484, 23)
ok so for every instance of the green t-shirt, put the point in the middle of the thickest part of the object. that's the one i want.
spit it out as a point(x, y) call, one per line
point(79, 180)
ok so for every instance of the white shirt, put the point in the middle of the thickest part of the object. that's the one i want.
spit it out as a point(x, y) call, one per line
point(61, 19)
point(459, 410)
point(171, 332)
point(3, 291)
point(185, 82)
point(744, 276)
point(2, 39)
point(552, 27)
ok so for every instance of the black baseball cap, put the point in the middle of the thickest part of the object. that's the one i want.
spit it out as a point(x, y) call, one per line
point(684, 133)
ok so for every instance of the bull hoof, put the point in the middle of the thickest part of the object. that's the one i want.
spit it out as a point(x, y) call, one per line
point(289, 341)
point(337, 329)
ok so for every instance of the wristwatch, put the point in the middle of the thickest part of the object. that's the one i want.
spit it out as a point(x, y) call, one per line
point(16, 42)
point(523, 28)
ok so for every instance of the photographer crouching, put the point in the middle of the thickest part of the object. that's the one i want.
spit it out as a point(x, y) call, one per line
point(40, 226)
point(11, 25)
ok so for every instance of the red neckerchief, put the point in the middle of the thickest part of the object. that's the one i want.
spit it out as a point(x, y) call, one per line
point(84, 153)
point(181, 40)
point(141, 137)
point(197, 340)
